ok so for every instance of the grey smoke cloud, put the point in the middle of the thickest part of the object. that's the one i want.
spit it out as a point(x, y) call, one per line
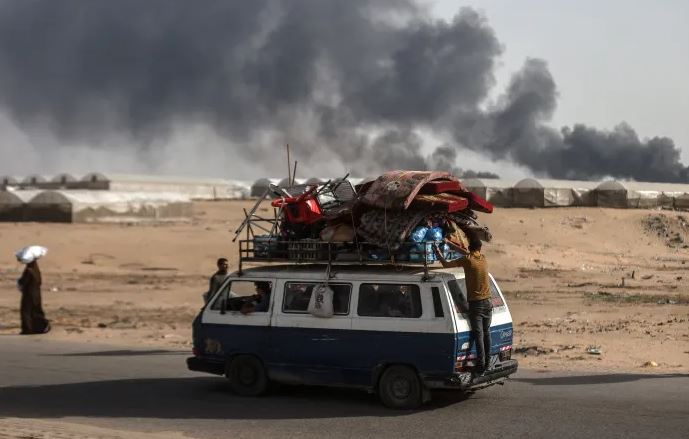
point(515, 129)
point(349, 84)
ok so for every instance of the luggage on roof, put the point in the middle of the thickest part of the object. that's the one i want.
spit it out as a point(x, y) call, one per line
point(375, 223)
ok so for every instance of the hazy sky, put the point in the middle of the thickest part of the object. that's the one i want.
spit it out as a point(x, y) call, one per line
point(612, 60)
point(217, 89)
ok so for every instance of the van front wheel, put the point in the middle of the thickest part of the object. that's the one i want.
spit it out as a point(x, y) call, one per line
point(247, 376)
point(400, 388)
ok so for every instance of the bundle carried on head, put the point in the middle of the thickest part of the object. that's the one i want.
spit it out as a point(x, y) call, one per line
point(30, 253)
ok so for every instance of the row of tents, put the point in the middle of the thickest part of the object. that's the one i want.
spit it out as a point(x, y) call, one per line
point(194, 187)
point(84, 206)
point(105, 197)
point(533, 193)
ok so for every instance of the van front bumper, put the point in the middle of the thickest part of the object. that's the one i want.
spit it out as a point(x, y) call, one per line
point(469, 381)
point(199, 364)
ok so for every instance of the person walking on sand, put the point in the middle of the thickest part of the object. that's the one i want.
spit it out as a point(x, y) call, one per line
point(31, 310)
point(478, 296)
point(217, 278)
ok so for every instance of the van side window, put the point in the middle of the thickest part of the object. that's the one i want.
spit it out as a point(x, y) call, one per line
point(240, 292)
point(389, 300)
point(495, 296)
point(437, 304)
point(459, 295)
point(298, 294)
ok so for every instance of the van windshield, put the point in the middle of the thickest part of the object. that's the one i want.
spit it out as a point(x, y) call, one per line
point(458, 291)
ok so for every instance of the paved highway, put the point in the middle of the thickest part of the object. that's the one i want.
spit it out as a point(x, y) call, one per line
point(151, 391)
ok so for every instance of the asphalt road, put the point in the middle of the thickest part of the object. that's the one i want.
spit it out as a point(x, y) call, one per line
point(150, 390)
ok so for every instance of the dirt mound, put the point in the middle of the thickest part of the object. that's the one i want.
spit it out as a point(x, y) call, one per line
point(672, 229)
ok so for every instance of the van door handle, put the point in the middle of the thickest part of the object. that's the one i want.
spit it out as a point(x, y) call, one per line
point(324, 339)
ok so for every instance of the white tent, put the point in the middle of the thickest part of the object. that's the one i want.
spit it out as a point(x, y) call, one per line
point(35, 181)
point(11, 207)
point(108, 206)
point(634, 194)
point(496, 190)
point(672, 195)
point(622, 194)
point(13, 204)
point(530, 192)
point(61, 181)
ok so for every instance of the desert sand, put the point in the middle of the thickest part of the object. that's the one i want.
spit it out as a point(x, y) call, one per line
point(575, 279)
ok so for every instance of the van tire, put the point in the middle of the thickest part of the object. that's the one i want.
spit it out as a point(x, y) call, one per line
point(400, 388)
point(247, 376)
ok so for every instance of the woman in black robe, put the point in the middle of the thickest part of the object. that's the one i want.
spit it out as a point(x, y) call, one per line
point(33, 318)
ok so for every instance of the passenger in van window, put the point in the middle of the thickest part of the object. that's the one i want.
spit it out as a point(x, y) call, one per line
point(399, 304)
point(260, 300)
point(478, 295)
point(217, 278)
point(389, 305)
point(299, 297)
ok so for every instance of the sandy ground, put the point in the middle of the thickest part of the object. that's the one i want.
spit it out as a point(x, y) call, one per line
point(575, 278)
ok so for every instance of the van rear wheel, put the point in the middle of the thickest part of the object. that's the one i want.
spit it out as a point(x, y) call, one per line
point(400, 388)
point(247, 376)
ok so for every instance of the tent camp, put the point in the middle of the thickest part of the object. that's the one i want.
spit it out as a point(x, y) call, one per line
point(195, 188)
point(530, 192)
point(633, 194)
point(671, 195)
point(495, 190)
point(106, 206)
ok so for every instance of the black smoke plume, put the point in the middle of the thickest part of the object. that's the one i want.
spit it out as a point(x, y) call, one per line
point(355, 82)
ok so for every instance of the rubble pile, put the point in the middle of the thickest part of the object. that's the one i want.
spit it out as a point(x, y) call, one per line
point(396, 217)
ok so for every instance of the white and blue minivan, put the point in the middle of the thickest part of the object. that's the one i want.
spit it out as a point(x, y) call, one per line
point(397, 331)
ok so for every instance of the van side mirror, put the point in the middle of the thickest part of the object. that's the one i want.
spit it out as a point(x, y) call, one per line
point(223, 305)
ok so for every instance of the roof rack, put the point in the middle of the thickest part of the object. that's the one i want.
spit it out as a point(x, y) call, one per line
point(275, 244)
point(268, 249)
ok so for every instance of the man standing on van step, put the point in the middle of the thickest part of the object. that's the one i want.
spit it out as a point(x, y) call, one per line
point(479, 297)
point(217, 279)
